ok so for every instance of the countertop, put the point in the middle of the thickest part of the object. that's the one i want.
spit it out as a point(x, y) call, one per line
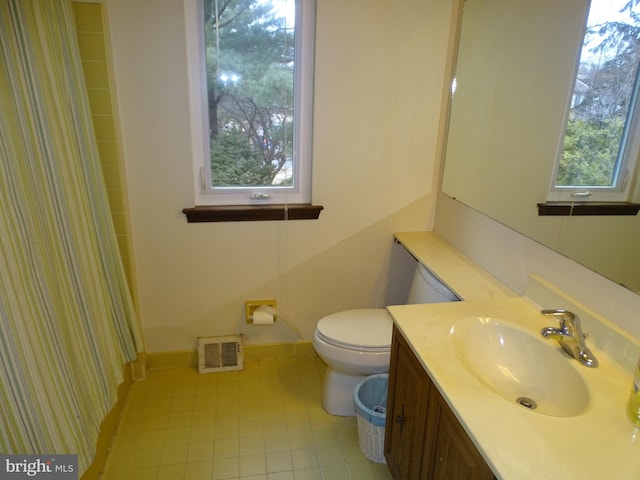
point(518, 444)
point(460, 274)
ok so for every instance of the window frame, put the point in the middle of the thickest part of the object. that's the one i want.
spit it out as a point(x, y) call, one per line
point(300, 193)
point(622, 188)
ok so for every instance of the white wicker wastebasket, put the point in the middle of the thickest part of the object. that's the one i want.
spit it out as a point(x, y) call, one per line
point(370, 401)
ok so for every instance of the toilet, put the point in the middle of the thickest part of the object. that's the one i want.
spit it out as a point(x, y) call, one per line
point(357, 343)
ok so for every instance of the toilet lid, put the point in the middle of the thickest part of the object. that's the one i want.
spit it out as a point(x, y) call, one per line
point(367, 328)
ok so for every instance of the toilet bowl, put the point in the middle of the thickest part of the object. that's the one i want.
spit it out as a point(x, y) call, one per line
point(357, 343)
point(354, 344)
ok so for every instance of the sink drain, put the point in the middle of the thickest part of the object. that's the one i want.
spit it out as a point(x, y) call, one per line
point(527, 402)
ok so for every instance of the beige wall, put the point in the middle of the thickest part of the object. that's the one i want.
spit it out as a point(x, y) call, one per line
point(378, 96)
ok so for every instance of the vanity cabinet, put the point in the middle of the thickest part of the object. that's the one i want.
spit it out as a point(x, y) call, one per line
point(423, 438)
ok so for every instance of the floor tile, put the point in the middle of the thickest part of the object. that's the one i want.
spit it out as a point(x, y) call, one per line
point(263, 423)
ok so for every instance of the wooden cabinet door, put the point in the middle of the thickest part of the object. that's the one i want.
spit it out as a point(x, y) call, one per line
point(453, 454)
point(406, 412)
point(423, 438)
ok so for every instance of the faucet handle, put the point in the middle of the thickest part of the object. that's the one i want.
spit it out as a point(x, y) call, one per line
point(569, 322)
point(569, 335)
point(564, 316)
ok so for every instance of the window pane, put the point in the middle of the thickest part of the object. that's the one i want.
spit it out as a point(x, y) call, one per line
point(603, 100)
point(250, 77)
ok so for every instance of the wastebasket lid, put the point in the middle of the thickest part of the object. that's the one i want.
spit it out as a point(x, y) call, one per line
point(366, 328)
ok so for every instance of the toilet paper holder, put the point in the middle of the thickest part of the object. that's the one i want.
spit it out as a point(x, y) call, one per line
point(252, 305)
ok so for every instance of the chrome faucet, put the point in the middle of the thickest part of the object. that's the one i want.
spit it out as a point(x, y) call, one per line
point(569, 336)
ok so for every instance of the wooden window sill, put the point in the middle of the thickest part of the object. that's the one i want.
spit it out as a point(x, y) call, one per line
point(591, 208)
point(250, 213)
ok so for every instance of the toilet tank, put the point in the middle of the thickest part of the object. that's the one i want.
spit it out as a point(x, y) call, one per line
point(426, 288)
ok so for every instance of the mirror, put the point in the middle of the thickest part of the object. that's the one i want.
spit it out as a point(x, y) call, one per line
point(514, 72)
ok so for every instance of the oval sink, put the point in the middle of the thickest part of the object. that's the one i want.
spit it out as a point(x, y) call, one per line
point(519, 367)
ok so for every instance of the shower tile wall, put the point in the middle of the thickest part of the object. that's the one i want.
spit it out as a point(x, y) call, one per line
point(95, 65)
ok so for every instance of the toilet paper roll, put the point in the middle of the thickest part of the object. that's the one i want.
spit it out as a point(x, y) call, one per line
point(262, 318)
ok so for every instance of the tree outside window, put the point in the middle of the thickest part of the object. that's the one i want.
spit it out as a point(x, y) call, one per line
point(601, 121)
point(249, 48)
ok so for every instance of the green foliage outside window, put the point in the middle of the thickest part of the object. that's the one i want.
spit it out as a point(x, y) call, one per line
point(234, 162)
point(249, 59)
point(604, 100)
point(590, 152)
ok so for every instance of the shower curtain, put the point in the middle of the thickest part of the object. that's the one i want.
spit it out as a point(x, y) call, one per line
point(67, 324)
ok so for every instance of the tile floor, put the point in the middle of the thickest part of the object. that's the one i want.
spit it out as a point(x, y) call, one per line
point(262, 423)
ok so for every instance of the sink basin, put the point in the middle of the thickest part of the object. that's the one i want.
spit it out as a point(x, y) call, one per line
point(519, 367)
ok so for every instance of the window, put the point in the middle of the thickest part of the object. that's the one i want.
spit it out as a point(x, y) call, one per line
point(602, 134)
point(251, 86)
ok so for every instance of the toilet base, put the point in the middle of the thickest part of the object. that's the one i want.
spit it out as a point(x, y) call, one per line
point(337, 393)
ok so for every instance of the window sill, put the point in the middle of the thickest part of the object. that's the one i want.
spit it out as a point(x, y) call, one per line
point(574, 208)
point(250, 213)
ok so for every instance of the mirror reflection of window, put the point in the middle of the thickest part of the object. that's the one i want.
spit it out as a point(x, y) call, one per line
point(602, 135)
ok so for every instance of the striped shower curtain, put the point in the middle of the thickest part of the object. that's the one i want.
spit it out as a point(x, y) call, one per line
point(67, 324)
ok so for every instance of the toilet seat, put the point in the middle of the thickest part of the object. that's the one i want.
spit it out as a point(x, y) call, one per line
point(365, 330)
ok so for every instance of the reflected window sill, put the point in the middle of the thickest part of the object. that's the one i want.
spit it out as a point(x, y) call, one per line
point(250, 213)
point(587, 208)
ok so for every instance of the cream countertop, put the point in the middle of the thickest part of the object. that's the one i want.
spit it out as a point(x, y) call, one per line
point(461, 275)
point(517, 443)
